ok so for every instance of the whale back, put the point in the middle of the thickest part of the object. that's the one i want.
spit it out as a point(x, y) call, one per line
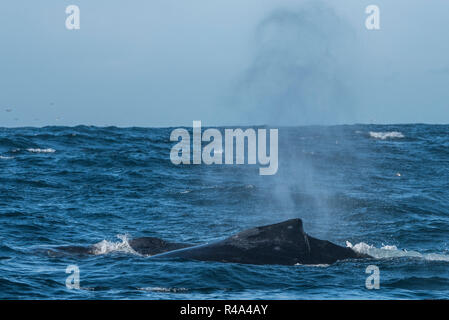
point(145, 245)
point(283, 243)
point(152, 245)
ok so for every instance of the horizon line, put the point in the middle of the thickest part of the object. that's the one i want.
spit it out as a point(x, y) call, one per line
point(226, 126)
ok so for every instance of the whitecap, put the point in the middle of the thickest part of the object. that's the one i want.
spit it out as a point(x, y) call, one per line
point(386, 135)
point(5, 158)
point(162, 289)
point(391, 251)
point(322, 265)
point(48, 150)
point(105, 247)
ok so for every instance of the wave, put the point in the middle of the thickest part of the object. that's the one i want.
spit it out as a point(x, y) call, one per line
point(37, 150)
point(322, 265)
point(387, 251)
point(5, 158)
point(386, 135)
point(106, 247)
point(418, 283)
point(162, 289)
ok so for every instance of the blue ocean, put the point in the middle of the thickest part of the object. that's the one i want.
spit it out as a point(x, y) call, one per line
point(379, 189)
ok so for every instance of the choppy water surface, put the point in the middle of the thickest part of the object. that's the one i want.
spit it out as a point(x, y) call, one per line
point(383, 190)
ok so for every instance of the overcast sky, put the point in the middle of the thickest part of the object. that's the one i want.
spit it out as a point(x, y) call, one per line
point(278, 62)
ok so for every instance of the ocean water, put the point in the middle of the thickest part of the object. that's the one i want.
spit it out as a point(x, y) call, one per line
point(381, 189)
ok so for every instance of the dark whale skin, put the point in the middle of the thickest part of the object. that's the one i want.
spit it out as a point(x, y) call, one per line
point(153, 246)
point(143, 245)
point(283, 243)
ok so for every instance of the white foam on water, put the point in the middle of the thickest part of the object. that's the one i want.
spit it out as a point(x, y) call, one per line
point(386, 135)
point(5, 158)
point(313, 265)
point(162, 289)
point(105, 247)
point(387, 251)
point(48, 150)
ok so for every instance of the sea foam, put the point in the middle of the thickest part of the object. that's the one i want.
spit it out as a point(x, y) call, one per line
point(48, 150)
point(386, 135)
point(387, 251)
point(106, 247)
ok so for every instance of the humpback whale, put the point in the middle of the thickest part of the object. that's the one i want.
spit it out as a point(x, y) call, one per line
point(148, 246)
point(283, 243)
point(153, 246)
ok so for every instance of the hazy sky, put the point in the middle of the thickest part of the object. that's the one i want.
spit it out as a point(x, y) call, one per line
point(279, 62)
